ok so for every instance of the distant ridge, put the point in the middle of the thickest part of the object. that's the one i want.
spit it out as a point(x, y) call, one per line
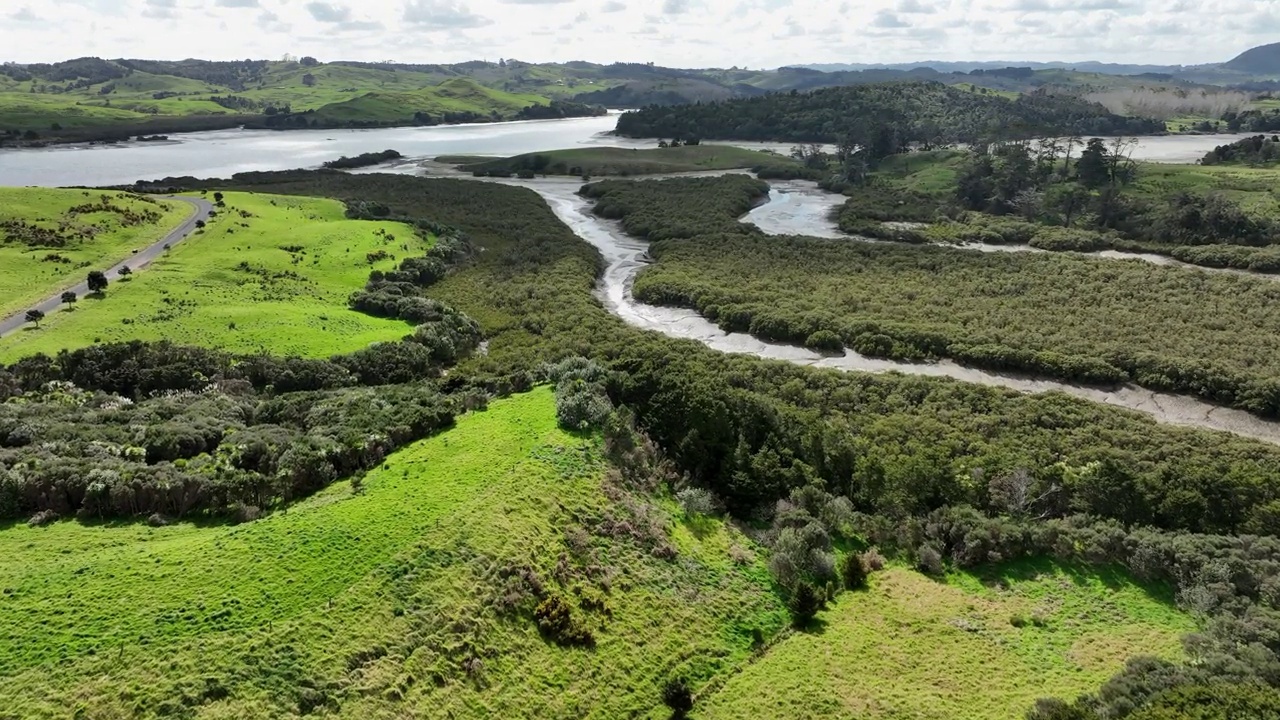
point(1262, 60)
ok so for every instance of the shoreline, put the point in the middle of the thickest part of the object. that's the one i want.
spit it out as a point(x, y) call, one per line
point(119, 138)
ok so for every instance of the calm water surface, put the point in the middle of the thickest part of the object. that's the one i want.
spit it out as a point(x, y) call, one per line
point(223, 153)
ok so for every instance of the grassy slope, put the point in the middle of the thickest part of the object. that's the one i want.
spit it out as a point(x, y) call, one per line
point(623, 161)
point(24, 111)
point(911, 647)
point(458, 95)
point(361, 597)
point(26, 278)
point(195, 292)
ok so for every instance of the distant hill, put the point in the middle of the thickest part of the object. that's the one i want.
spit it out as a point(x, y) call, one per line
point(948, 67)
point(918, 111)
point(1259, 63)
point(1262, 60)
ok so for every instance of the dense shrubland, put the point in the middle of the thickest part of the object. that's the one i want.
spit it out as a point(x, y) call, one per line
point(680, 208)
point(226, 448)
point(917, 111)
point(886, 452)
point(1075, 318)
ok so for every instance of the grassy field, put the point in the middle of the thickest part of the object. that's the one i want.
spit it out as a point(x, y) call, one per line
point(40, 112)
point(94, 240)
point(366, 605)
point(276, 280)
point(911, 647)
point(452, 96)
point(604, 161)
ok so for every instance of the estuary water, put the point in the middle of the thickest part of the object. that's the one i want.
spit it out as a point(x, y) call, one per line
point(223, 153)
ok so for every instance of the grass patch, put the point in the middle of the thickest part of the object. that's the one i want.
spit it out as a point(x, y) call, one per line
point(604, 161)
point(55, 247)
point(913, 647)
point(275, 279)
point(379, 603)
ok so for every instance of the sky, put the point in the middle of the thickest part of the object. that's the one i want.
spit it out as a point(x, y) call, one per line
point(676, 33)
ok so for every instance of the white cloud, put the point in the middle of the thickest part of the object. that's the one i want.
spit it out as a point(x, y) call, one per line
point(755, 33)
point(443, 15)
point(329, 12)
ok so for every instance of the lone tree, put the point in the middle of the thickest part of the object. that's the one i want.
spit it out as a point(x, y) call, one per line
point(69, 298)
point(309, 80)
point(97, 281)
point(35, 316)
point(125, 272)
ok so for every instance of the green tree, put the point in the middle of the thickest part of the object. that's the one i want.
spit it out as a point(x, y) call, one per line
point(853, 572)
point(1067, 200)
point(97, 281)
point(125, 272)
point(804, 604)
point(35, 316)
point(69, 298)
point(1093, 169)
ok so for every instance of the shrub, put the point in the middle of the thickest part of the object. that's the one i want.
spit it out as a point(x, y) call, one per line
point(557, 622)
point(157, 520)
point(825, 341)
point(853, 572)
point(677, 696)
point(42, 518)
point(929, 561)
point(696, 501)
point(804, 604)
point(873, 561)
point(581, 407)
point(245, 513)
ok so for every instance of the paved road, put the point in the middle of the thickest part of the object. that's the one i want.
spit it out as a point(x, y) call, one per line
point(137, 261)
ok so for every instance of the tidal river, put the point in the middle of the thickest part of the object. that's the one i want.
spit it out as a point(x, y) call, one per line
point(788, 213)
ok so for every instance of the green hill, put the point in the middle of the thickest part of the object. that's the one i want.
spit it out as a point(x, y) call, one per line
point(414, 596)
point(452, 98)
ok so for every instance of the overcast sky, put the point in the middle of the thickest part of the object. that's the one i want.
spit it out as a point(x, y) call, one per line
point(750, 33)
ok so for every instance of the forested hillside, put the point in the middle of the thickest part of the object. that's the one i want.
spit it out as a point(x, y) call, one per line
point(917, 112)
